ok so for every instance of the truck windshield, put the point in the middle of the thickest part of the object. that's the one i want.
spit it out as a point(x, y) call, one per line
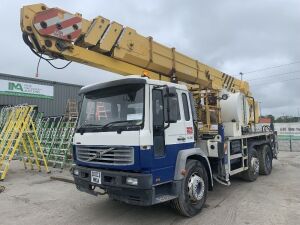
point(113, 108)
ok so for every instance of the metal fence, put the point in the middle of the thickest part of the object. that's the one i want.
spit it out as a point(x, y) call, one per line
point(289, 143)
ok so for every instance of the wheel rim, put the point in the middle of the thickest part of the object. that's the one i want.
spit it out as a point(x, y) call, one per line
point(196, 187)
point(255, 165)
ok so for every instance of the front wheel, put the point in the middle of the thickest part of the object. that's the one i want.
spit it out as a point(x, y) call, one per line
point(194, 190)
point(265, 160)
point(252, 172)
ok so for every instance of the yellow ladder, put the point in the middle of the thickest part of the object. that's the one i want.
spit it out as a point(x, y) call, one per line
point(71, 109)
point(19, 135)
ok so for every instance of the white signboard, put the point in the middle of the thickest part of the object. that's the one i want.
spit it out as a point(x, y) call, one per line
point(288, 128)
point(8, 87)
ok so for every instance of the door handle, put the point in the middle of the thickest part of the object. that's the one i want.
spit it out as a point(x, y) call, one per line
point(181, 139)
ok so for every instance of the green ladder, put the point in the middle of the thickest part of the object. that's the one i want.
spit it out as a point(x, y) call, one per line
point(60, 152)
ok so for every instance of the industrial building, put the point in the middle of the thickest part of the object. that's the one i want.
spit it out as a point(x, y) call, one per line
point(51, 97)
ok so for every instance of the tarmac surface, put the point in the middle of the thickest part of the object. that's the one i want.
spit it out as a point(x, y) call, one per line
point(32, 198)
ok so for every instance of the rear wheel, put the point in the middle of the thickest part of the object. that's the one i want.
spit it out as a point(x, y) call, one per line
point(194, 190)
point(265, 160)
point(253, 166)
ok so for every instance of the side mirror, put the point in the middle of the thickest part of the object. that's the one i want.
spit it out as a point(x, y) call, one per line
point(169, 91)
point(171, 112)
point(170, 104)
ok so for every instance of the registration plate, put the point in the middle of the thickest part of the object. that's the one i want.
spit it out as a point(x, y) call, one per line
point(96, 177)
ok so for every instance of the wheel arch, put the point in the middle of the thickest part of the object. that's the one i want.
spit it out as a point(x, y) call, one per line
point(196, 154)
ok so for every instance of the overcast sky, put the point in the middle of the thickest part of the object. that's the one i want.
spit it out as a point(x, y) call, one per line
point(233, 36)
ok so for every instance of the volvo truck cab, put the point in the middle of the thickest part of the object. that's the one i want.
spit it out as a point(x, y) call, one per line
point(129, 136)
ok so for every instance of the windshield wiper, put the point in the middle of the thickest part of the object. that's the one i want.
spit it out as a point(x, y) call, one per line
point(114, 122)
point(127, 125)
point(83, 127)
point(94, 127)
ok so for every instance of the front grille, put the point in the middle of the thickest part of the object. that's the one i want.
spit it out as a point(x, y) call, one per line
point(106, 155)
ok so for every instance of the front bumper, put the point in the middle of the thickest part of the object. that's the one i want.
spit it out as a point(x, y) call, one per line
point(114, 183)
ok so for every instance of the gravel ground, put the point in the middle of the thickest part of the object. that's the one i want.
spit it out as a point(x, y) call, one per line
point(32, 198)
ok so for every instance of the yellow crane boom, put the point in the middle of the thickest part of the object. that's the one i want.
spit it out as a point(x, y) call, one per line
point(110, 46)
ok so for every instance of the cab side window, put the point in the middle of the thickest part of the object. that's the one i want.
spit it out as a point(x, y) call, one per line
point(178, 109)
point(186, 109)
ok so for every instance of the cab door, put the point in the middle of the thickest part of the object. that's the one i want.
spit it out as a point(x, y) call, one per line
point(167, 141)
point(175, 134)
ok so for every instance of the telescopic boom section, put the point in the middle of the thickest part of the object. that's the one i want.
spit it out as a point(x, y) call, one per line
point(110, 46)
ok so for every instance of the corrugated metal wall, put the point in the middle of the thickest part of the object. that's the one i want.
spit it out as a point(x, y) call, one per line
point(50, 107)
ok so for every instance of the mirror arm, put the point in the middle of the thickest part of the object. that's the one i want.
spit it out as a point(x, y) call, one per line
point(166, 127)
point(168, 108)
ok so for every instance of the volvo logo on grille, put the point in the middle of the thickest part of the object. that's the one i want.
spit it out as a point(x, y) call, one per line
point(98, 155)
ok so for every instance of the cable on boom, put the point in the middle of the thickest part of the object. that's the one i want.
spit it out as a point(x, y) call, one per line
point(48, 60)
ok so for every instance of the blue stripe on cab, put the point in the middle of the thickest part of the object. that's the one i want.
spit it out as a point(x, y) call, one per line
point(162, 168)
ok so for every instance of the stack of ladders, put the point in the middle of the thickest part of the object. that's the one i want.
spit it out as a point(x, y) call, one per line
point(59, 152)
point(44, 140)
point(19, 135)
point(38, 121)
point(3, 116)
point(47, 130)
point(56, 135)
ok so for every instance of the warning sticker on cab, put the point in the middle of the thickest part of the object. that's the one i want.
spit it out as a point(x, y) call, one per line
point(189, 130)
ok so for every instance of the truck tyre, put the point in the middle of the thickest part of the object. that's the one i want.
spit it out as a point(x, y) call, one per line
point(252, 172)
point(194, 190)
point(265, 160)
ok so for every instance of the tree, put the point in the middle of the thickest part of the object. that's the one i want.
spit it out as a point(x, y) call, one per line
point(287, 119)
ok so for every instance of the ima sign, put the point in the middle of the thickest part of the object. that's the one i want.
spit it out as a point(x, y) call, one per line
point(8, 87)
point(14, 86)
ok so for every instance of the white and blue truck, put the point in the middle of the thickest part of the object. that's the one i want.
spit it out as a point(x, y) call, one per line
point(146, 149)
point(164, 134)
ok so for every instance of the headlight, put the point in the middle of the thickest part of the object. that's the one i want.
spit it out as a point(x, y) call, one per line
point(76, 172)
point(132, 181)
